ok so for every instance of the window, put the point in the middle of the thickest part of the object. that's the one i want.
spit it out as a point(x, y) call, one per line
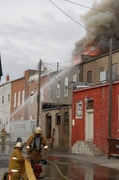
point(79, 107)
point(19, 98)
point(66, 117)
point(50, 94)
point(14, 99)
point(57, 119)
point(101, 69)
point(58, 89)
point(115, 71)
point(2, 99)
point(89, 77)
point(115, 68)
point(66, 87)
point(23, 96)
point(75, 78)
point(90, 104)
point(8, 97)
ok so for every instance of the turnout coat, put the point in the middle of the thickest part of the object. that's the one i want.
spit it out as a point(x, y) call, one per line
point(34, 152)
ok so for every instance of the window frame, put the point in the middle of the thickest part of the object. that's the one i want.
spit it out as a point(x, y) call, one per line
point(89, 76)
point(79, 112)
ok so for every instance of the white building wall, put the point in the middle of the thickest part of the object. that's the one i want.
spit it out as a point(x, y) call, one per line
point(5, 89)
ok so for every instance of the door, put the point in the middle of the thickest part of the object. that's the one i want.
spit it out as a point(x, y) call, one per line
point(48, 125)
point(89, 125)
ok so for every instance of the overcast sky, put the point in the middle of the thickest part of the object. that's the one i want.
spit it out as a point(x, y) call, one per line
point(31, 30)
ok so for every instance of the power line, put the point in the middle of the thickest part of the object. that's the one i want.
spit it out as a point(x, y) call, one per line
point(90, 8)
point(60, 62)
point(77, 22)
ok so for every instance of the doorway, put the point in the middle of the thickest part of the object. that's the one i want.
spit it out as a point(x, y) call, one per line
point(89, 126)
point(89, 120)
point(48, 125)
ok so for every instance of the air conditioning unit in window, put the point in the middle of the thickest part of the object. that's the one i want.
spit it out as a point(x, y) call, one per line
point(104, 76)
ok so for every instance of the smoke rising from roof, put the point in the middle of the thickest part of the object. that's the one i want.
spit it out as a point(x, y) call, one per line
point(103, 27)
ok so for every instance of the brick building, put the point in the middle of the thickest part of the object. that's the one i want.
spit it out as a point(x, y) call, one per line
point(90, 120)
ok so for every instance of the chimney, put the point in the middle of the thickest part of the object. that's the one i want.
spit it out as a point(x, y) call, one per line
point(7, 78)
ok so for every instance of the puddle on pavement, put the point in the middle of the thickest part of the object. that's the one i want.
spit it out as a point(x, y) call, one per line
point(79, 170)
point(60, 168)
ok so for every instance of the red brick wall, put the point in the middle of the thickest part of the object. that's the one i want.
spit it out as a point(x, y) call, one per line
point(100, 96)
point(29, 109)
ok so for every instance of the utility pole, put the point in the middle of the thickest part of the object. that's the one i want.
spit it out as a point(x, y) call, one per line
point(110, 91)
point(38, 96)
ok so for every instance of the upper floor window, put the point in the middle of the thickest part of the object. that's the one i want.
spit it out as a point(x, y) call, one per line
point(115, 71)
point(50, 94)
point(58, 89)
point(115, 68)
point(89, 105)
point(66, 87)
point(2, 99)
point(8, 97)
point(75, 78)
point(101, 69)
point(79, 108)
point(89, 77)
point(23, 96)
point(19, 98)
point(14, 99)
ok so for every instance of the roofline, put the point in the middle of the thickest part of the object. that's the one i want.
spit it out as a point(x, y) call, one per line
point(96, 86)
point(97, 57)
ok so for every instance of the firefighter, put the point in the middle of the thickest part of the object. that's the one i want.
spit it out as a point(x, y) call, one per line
point(17, 163)
point(3, 135)
point(34, 146)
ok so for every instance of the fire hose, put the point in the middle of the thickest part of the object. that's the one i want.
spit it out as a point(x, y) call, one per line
point(55, 166)
point(58, 170)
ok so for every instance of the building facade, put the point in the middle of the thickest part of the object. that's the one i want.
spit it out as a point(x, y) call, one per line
point(5, 105)
point(96, 69)
point(90, 115)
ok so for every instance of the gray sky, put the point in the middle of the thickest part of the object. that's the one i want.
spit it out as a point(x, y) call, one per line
point(31, 30)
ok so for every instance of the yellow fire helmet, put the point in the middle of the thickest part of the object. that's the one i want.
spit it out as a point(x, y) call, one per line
point(19, 144)
point(38, 130)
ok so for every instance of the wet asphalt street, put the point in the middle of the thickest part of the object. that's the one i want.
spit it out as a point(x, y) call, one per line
point(62, 165)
